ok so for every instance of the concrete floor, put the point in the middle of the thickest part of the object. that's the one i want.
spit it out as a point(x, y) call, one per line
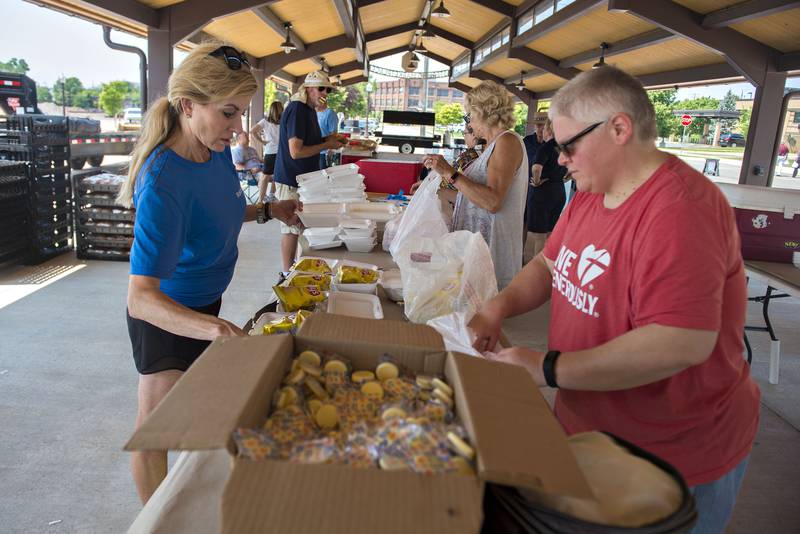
point(68, 396)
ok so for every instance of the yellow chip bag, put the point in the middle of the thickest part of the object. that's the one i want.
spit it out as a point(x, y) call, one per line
point(322, 281)
point(296, 298)
point(311, 265)
point(301, 316)
point(355, 275)
point(278, 326)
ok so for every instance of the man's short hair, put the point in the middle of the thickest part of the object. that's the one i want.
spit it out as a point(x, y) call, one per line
point(595, 95)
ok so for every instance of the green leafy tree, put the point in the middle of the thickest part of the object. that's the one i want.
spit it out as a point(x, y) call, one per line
point(43, 94)
point(728, 103)
point(350, 100)
point(88, 98)
point(112, 97)
point(17, 66)
point(668, 97)
point(447, 114)
point(521, 116)
point(744, 121)
point(664, 103)
point(66, 89)
point(698, 124)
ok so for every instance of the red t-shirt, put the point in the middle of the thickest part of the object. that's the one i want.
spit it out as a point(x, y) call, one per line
point(668, 255)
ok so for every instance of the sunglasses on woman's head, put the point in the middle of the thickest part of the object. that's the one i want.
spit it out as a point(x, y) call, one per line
point(233, 58)
point(467, 118)
point(564, 148)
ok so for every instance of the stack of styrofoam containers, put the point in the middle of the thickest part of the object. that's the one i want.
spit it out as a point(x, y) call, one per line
point(340, 183)
point(324, 237)
point(359, 235)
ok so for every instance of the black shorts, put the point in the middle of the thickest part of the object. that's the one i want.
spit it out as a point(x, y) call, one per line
point(269, 163)
point(156, 350)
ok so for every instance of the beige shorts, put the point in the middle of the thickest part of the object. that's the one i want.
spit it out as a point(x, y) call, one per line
point(287, 192)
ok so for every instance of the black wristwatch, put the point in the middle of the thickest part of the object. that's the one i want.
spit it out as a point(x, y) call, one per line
point(549, 368)
point(454, 177)
point(262, 212)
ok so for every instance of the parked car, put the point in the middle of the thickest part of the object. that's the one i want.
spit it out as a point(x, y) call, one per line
point(731, 139)
point(131, 119)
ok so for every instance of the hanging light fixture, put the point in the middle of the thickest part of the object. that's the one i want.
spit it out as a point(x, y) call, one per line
point(420, 47)
point(441, 11)
point(287, 45)
point(521, 84)
point(602, 61)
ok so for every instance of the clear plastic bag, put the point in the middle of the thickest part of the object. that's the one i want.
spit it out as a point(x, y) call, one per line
point(423, 216)
point(451, 273)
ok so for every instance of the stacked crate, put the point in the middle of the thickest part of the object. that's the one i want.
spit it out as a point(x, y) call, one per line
point(42, 142)
point(14, 216)
point(105, 229)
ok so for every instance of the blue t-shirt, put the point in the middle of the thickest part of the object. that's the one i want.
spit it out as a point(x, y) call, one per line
point(248, 157)
point(532, 144)
point(298, 120)
point(188, 217)
point(327, 123)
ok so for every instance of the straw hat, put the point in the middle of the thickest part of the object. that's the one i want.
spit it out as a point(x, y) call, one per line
point(313, 79)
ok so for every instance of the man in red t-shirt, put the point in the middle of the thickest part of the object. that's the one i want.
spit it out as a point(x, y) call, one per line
point(648, 296)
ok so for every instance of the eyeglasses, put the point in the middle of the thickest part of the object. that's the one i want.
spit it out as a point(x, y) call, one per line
point(233, 58)
point(564, 148)
point(467, 118)
point(325, 89)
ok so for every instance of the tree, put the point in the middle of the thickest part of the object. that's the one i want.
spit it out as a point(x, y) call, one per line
point(66, 89)
point(703, 102)
point(668, 97)
point(112, 96)
point(43, 94)
point(88, 98)
point(447, 114)
point(350, 100)
point(663, 104)
point(744, 121)
point(521, 114)
point(17, 66)
point(728, 103)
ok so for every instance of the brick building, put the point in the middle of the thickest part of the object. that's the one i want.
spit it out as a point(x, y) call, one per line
point(405, 94)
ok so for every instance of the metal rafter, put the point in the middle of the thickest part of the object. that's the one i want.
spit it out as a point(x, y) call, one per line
point(336, 70)
point(464, 88)
point(441, 59)
point(365, 3)
point(525, 75)
point(751, 58)
point(271, 19)
point(541, 61)
point(387, 53)
point(746, 11)
point(354, 80)
point(555, 21)
point(630, 44)
point(391, 32)
point(450, 36)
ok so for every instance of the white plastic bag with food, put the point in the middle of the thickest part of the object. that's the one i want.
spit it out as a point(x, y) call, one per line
point(423, 216)
point(390, 230)
point(446, 274)
point(457, 336)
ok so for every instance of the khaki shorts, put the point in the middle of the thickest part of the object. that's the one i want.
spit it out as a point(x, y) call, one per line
point(287, 192)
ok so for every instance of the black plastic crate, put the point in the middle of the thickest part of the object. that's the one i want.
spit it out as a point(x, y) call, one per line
point(15, 137)
point(101, 183)
point(106, 228)
point(13, 168)
point(36, 123)
point(103, 254)
point(43, 253)
point(104, 241)
point(96, 200)
point(13, 187)
point(51, 213)
point(45, 183)
point(106, 214)
point(17, 253)
point(41, 164)
point(47, 197)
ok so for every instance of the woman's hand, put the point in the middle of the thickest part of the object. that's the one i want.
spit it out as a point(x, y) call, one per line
point(286, 211)
point(414, 187)
point(485, 327)
point(436, 162)
point(527, 358)
point(334, 142)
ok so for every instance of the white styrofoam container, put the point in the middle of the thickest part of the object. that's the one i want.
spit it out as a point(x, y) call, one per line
point(357, 223)
point(323, 214)
point(347, 168)
point(325, 245)
point(355, 288)
point(376, 211)
point(360, 244)
point(355, 305)
point(318, 233)
point(263, 319)
point(309, 178)
point(392, 284)
point(347, 180)
point(359, 232)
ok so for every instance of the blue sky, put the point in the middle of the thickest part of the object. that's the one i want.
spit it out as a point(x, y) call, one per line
point(54, 44)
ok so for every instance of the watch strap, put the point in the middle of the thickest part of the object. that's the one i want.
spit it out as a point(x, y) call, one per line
point(549, 368)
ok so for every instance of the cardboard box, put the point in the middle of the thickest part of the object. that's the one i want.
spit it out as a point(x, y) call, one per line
point(518, 440)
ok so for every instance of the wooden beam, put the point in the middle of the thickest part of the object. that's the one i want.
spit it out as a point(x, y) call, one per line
point(274, 62)
point(498, 6)
point(790, 61)
point(391, 32)
point(464, 88)
point(706, 73)
point(526, 75)
point(450, 36)
point(387, 53)
point(345, 10)
point(751, 58)
point(630, 44)
point(336, 70)
point(543, 62)
point(186, 18)
point(522, 94)
point(285, 76)
point(745, 11)
point(365, 3)
point(441, 59)
point(354, 80)
point(271, 19)
point(555, 21)
point(200, 37)
point(130, 10)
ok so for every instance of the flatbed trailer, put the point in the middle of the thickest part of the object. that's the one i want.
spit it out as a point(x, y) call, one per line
point(407, 143)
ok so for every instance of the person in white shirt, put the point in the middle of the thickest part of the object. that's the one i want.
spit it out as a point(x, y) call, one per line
point(267, 131)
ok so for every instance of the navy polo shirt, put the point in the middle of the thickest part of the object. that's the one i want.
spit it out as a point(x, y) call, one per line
point(298, 120)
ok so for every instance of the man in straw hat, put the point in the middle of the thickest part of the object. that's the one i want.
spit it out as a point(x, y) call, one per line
point(298, 150)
